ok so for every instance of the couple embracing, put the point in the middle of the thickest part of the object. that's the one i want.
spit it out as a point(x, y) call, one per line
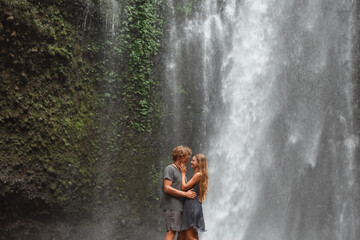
point(182, 200)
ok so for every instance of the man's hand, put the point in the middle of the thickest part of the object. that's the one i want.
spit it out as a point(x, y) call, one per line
point(190, 194)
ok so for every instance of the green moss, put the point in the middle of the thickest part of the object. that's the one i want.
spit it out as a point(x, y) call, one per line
point(46, 104)
point(78, 111)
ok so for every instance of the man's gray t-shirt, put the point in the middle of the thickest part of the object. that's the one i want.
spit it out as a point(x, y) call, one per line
point(168, 201)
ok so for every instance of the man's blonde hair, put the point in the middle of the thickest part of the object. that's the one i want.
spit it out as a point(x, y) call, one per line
point(188, 150)
point(178, 151)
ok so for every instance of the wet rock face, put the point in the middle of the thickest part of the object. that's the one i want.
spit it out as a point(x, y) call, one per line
point(37, 49)
point(63, 167)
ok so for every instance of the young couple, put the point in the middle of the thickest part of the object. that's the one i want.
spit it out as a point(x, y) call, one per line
point(182, 200)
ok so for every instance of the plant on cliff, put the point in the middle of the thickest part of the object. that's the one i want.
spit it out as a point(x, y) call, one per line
point(141, 33)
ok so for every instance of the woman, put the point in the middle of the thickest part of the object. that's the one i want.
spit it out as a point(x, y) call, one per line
point(193, 219)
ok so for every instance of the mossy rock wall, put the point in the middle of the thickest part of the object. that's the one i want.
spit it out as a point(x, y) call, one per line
point(79, 116)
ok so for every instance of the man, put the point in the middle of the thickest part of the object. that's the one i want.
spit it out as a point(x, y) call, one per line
point(189, 153)
point(172, 198)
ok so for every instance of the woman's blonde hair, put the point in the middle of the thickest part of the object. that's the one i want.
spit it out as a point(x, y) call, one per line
point(203, 168)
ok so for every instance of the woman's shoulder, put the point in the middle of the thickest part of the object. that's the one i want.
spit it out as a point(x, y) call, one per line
point(198, 175)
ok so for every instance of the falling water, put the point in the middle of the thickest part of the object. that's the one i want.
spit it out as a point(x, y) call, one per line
point(111, 14)
point(275, 104)
point(106, 212)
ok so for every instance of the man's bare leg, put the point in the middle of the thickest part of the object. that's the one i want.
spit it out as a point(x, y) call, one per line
point(170, 235)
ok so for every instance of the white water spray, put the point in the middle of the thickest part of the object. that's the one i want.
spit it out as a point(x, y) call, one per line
point(277, 83)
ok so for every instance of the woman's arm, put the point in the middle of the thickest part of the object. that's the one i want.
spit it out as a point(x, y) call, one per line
point(174, 192)
point(185, 186)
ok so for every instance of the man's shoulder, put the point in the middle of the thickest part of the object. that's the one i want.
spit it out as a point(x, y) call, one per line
point(169, 172)
point(169, 167)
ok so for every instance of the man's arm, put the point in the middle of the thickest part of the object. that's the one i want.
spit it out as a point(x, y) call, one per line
point(177, 193)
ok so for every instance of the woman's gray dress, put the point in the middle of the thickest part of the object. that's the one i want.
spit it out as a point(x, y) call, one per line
point(193, 213)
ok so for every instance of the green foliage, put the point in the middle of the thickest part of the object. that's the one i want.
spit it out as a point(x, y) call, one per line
point(141, 32)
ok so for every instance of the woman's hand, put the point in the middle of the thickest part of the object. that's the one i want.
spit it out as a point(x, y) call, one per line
point(182, 168)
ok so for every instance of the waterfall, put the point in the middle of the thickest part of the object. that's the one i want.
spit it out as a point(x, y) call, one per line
point(273, 83)
point(106, 211)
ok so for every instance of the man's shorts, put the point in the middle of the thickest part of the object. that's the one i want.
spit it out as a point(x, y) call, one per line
point(173, 220)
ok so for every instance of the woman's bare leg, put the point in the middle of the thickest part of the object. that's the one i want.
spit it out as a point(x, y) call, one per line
point(191, 234)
